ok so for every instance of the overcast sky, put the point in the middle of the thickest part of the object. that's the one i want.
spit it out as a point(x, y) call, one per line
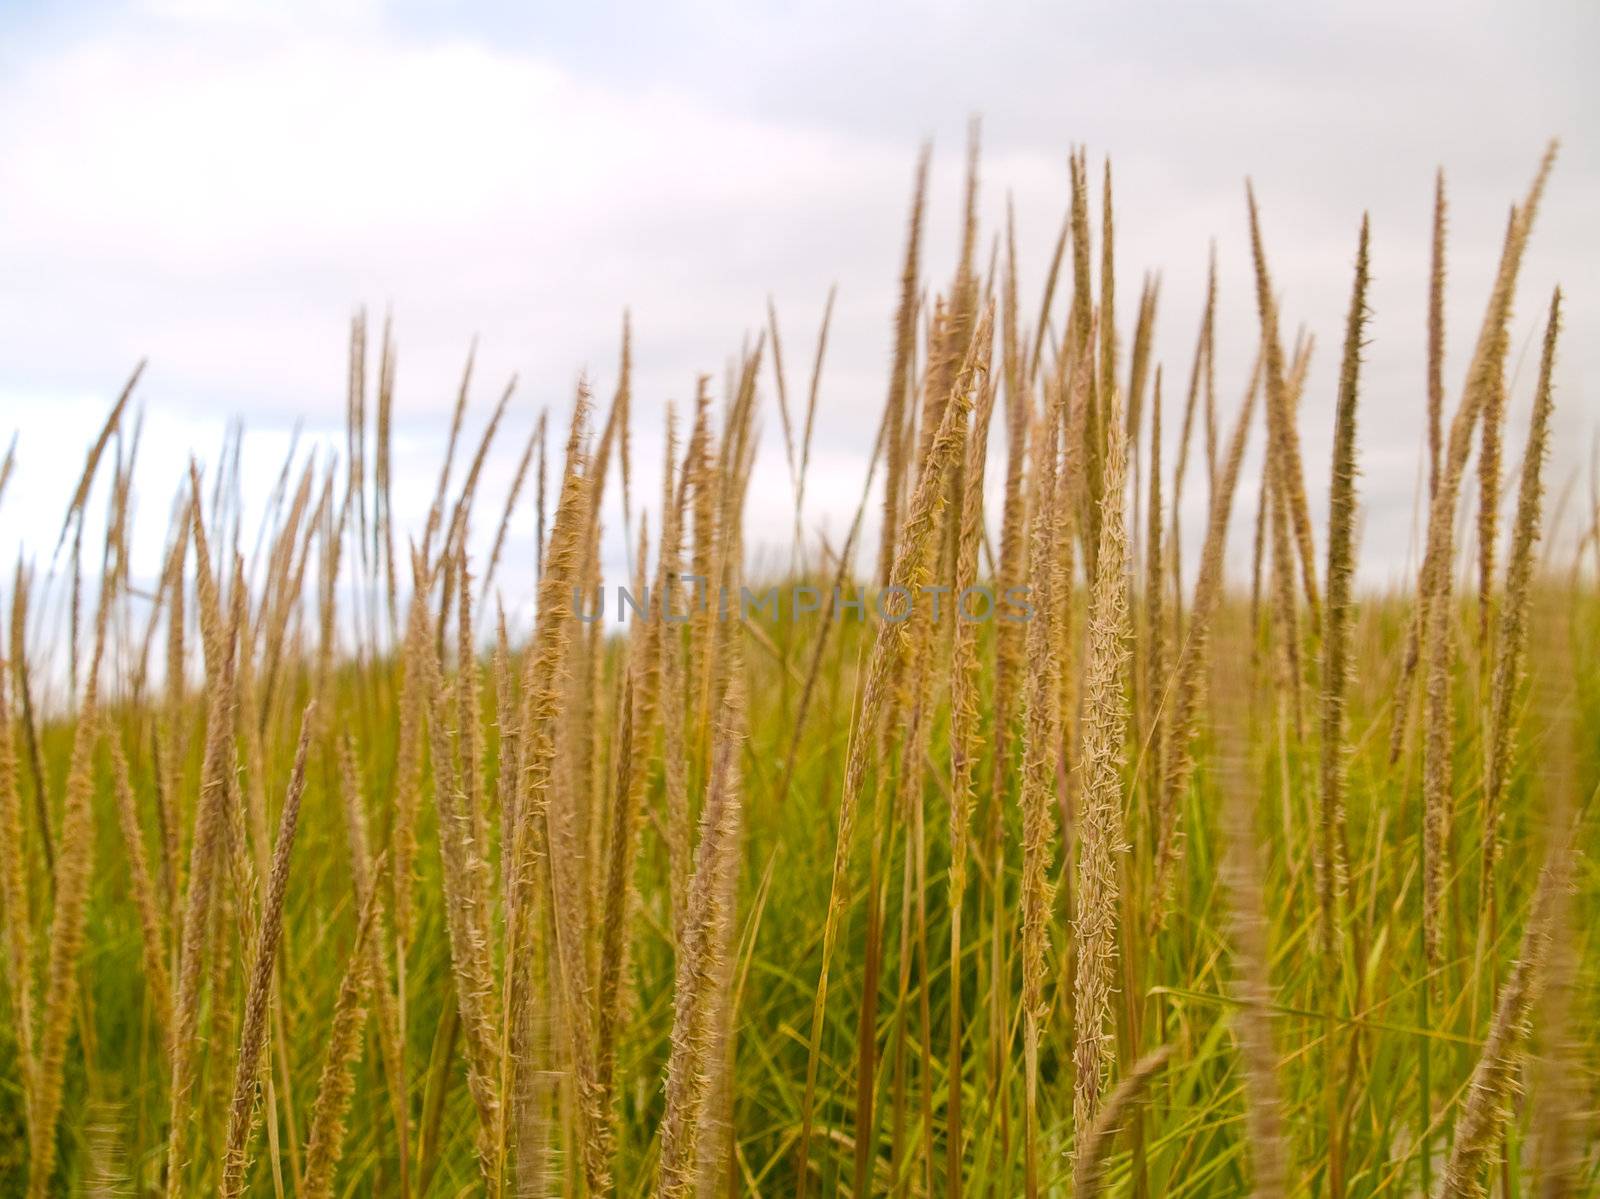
point(216, 186)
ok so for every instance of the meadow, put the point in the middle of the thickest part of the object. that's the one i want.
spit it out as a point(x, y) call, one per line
point(318, 883)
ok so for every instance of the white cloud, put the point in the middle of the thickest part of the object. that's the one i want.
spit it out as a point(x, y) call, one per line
point(215, 187)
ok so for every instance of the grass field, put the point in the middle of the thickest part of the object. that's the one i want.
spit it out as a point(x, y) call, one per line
point(1187, 885)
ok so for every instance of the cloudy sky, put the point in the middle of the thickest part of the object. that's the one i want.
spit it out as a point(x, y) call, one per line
point(216, 186)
